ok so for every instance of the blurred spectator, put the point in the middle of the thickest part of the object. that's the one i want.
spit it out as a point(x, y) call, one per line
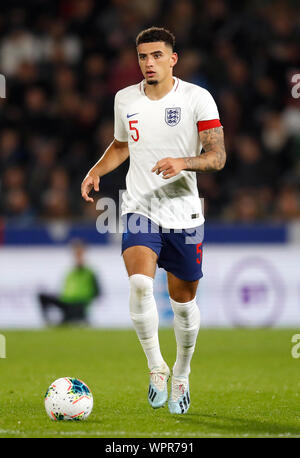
point(287, 204)
point(181, 12)
point(251, 167)
point(37, 112)
point(80, 288)
point(65, 80)
point(11, 150)
point(17, 207)
point(19, 46)
point(188, 67)
point(291, 119)
point(211, 190)
point(95, 77)
point(14, 177)
point(44, 154)
point(231, 116)
point(244, 208)
point(59, 46)
point(125, 70)
point(55, 205)
point(64, 61)
point(279, 145)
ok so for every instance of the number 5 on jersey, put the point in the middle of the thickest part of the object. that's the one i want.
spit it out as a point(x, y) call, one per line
point(199, 251)
point(134, 129)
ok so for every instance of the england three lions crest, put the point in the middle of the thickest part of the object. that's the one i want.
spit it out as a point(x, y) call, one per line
point(172, 116)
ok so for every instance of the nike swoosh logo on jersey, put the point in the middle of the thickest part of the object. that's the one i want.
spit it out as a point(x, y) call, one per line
point(130, 115)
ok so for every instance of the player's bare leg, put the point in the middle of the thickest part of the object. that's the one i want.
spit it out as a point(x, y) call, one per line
point(186, 326)
point(140, 262)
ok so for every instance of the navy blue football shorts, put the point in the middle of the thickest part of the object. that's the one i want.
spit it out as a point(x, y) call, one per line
point(179, 251)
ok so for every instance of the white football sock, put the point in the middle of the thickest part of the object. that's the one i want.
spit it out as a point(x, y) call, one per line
point(186, 327)
point(143, 312)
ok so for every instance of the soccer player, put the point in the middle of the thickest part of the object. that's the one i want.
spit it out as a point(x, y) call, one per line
point(162, 124)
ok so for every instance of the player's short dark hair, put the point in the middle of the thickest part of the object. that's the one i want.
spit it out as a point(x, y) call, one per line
point(154, 34)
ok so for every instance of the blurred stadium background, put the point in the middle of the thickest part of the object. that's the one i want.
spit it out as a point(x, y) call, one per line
point(63, 61)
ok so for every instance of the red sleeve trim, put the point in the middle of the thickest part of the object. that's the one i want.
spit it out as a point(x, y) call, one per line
point(204, 125)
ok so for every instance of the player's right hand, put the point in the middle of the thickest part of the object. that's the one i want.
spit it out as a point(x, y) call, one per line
point(90, 182)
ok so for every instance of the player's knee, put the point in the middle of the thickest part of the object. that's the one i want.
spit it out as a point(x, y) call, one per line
point(182, 296)
point(141, 285)
point(187, 314)
point(141, 305)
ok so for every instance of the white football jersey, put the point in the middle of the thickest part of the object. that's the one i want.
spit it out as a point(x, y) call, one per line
point(155, 129)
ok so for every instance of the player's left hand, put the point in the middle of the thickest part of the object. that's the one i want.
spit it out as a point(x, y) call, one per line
point(169, 167)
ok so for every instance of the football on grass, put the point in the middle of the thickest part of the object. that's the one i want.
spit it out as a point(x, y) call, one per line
point(68, 398)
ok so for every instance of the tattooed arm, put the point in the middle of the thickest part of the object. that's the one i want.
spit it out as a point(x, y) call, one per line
point(212, 160)
point(214, 156)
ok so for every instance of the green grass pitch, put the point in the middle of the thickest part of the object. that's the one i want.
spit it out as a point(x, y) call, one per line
point(244, 383)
